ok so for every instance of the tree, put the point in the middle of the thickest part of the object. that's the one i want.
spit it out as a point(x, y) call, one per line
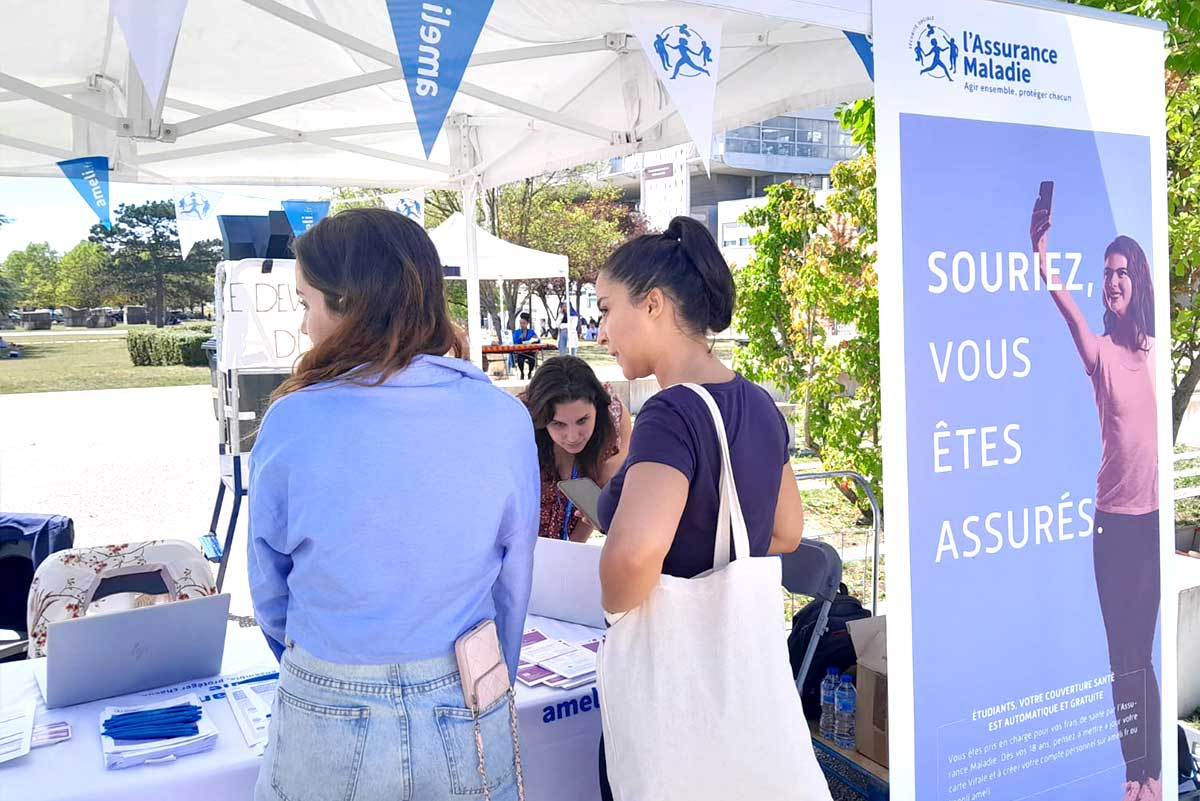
point(33, 272)
point(144, 247)
point(9, 294)
point(194, 288)
point(813, 274)
point(84, 276)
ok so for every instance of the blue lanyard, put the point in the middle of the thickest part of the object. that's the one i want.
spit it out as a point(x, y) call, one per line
point(566, 533)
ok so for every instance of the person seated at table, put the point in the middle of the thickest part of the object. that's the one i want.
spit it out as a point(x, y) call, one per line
point(582, 431)
point(524, 335)
point(364, 562)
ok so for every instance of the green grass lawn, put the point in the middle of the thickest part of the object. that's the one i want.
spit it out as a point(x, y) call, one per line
point(58, 364)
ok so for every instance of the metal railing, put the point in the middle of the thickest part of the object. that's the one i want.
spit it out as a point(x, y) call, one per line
point(1186, 492)
point(876, 518)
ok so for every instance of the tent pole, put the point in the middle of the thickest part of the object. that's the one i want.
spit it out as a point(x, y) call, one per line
point(462, 159)
point(474, 307)
point(503, 316)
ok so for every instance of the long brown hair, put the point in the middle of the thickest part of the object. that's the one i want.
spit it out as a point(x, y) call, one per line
point(564, 379)
point(1141, 305)
point(381, 273)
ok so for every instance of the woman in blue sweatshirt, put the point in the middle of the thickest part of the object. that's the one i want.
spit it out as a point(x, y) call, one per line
point(393, 505)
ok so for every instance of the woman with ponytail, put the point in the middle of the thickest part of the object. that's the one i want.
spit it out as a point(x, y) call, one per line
point(661, 297)
point(365, 564)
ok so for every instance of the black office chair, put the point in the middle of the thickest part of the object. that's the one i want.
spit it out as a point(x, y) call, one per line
point(814, 569)
point(25, 540)
point(1189, 772)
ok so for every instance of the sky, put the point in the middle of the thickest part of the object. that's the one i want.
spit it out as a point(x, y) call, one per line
point(50, 210)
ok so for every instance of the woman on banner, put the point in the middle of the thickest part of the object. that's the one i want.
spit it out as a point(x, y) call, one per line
point(364, 563)
point(582, 431)
point(1125, 542)
point(660, 297)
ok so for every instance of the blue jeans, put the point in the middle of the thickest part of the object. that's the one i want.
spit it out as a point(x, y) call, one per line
point(395, 732)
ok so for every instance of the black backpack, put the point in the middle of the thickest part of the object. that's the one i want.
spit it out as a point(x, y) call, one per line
point(834, 648)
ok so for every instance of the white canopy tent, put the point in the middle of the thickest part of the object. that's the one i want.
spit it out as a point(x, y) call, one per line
point(310, 92)
point(496, 259)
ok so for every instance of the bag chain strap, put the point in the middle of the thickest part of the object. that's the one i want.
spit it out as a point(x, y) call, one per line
point(512, 722)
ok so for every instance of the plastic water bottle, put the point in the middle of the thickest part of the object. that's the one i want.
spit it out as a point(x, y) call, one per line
point(828, 688)
point(845, 703)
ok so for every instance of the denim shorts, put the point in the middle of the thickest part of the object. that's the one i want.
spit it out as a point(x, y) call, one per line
point(396, 732)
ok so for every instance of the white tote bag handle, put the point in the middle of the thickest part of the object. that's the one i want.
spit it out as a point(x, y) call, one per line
point(730, 509)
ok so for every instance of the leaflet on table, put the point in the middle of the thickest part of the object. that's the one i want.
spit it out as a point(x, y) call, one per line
point(573, 664)
point(262, 680)
point(120, 754)
point(16, 729)
point(562, 683)
point(252, 713)
point(545, 660)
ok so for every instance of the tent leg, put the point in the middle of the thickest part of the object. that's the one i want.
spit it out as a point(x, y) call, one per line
point(474, 307)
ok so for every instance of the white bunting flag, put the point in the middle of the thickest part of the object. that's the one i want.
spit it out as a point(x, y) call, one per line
point(151, 28)
point(195, 215)
point(683, 46)
point(410, 204)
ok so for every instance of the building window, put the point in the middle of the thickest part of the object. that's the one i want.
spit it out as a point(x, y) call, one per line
point(735, 235)
point(742, 146)
point(778, 148)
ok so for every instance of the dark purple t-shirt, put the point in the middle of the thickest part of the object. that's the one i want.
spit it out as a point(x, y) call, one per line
point(675, 428)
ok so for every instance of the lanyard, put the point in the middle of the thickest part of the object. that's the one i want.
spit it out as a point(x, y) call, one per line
point(566, 532)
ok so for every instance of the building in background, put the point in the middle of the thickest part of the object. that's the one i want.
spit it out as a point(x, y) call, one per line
point(800, 147)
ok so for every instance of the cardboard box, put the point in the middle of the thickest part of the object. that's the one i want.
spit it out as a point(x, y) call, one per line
point(871, 721)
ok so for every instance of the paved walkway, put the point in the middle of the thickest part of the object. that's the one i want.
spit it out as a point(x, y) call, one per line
point(125, 464)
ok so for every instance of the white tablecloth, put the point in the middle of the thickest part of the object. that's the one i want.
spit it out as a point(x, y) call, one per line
point(560, 735)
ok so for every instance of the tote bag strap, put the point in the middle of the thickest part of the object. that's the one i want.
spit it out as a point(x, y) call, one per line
point(730, 509)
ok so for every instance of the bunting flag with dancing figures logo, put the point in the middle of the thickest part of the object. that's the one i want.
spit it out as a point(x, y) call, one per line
point(195, 215)
point(89, 176)
point(435, 41)
point(684, 50)
point(410, 204)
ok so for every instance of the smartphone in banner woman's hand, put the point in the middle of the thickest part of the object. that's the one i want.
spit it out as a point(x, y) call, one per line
point(1045, 196)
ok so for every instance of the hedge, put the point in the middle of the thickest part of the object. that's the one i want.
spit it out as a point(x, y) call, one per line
point(161, 348)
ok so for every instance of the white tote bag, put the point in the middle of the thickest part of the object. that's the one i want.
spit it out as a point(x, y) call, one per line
point(696, 691)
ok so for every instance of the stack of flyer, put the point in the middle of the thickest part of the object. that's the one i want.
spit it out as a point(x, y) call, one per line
point(556, 663)
point(127, 753)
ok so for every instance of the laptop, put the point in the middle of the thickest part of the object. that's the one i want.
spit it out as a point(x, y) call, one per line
point(566, 582)
point(111, 654)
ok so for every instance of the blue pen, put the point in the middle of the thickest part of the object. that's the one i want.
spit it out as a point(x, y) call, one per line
point(141, 724)
point(111, 730)
point(156, 713)
point(155, 734)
